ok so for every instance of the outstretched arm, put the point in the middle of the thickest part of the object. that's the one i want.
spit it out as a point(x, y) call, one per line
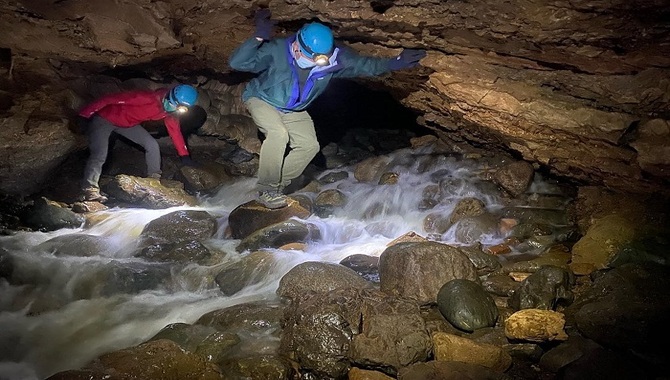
point(356, 65)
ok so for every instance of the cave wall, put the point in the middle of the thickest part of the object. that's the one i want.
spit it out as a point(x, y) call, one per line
point(579, 87)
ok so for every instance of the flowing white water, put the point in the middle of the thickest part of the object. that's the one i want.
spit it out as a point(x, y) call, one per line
point(61, 321)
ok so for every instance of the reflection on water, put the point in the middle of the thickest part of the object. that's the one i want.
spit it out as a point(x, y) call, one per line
point(61, 316)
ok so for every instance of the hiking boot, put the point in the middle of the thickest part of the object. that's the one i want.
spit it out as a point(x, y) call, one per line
point(93, 194)
point(272, 199)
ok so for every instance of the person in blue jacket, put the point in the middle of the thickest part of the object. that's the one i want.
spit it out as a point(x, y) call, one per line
point(292, 72)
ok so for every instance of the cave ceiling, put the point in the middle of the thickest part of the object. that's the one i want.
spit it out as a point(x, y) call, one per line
point(579, 87)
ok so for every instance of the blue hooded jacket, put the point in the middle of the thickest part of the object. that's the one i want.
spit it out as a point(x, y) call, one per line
point(278, 83)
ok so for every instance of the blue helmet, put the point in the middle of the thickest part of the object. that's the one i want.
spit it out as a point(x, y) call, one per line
point(315, 39)
point(182, 95)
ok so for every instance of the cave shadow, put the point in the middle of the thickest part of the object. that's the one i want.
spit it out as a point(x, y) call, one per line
point(348, 105)
point(353, 115)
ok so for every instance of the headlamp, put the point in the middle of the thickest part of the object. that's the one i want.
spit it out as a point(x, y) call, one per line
point(320, 60)
point(182, 109)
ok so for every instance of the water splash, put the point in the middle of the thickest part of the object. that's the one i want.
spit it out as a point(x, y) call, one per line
point(79, 318)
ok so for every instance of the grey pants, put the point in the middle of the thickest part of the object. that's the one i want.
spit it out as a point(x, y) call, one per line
point(293, 128)
point(99, 131)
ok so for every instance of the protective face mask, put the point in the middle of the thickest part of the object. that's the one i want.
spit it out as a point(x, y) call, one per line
point(168, 107)
point(304, 63)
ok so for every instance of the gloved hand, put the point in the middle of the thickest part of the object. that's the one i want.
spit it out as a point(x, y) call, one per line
point(264, 26)
point(408, 58)
point(187, 161)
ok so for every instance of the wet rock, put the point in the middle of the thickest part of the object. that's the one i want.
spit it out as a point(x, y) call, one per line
point(534, 325)
point(545, 289)
point(426, 204)
point(155, 360)
point(218, 346)
point(606, 237)
point(467, 207)
point(448, 370)
point(318, 277)
point(566, 352)
point(484, 263)
point(557, 201)
point(362, 374)
point(242, 162)
point(280, 234)
point(389, 179)
point(527, 230)
point(252, 216)
point(88, 206)
point(327, 201)
point(180, 252)
point(249, 270)
point(436, 222)
point(515, 177)
point(318, 330)
point(333, 177)
point(148, 192)
point(304, 201)
point(540, 216)
point(45, 215)
point(529, 352)
point(393, 335)
point(407, 238)
point(131, 278)
point(500, 284)
point(366, 266)
point(435, 321)
point(371, 169)
point(179, 226)
point(469, 230)
point(270, 367)
point(627, 308)
point(466, 305)
point(262, 317)
point(206, 178)
point(204, 341)
point(557, 255)
point(418, 270)
point(448, 347)
point(77, 244)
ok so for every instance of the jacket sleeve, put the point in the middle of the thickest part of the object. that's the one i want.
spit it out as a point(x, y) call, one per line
point(130, 97)
point(355, 65)
point(252, 56)
point(174, 130)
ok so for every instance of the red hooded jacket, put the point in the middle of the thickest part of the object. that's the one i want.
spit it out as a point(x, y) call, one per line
point(128, 109)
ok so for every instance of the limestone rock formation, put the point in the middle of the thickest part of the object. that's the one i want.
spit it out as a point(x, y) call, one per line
point(581, 88)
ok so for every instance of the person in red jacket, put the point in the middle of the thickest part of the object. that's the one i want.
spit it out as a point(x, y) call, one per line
point(123, 113)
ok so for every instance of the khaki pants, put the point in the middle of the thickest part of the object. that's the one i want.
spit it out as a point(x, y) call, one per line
point(293, 128)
